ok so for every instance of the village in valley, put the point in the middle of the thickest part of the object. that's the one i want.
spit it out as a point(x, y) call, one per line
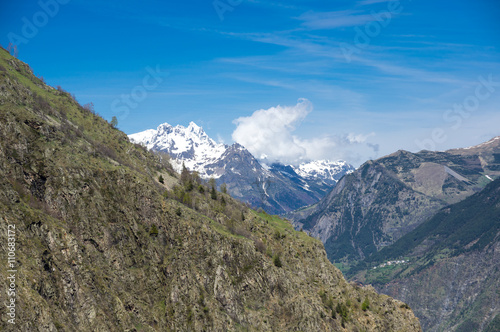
point(391, 263)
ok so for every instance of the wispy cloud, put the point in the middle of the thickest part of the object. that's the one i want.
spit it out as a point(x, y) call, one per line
point(398, 84)
point(398, 71)
point(370, 2)
point(266, 82)
point(272, 4)
point(317, 48)
point(333, 20)
point(341, 96)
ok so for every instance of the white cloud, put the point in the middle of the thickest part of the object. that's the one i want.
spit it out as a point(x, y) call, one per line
point(337, 19)
point(268, 135)
point(359, 138)
point(371, 2)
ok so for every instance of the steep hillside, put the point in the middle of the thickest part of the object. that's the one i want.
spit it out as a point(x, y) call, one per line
point(386, 198)
point(108, 238)
point(267, 188)
point(276, 188)
point(450, 275)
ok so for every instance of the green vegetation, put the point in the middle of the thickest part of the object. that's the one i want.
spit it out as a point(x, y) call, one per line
point(213, 193)
point(466, 226)
point(114, 122)
point(105, 247)
point(277, 260)
point(343, 310)
point(494, 326)
point(365, 305)
point(153, 231)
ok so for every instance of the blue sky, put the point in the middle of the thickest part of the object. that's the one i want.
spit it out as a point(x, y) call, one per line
point(353, 80)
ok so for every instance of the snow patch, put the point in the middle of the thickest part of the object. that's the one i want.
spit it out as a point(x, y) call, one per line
point(323, 170)
point(189, 145)
point(483, 144)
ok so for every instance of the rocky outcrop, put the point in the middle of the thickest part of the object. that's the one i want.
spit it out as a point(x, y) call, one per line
point(103, 243)
point(447, 268)
point(275, 188)
point(455, 294)
point(387, 198)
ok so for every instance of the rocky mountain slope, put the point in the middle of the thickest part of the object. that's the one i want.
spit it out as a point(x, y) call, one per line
point(109, 238)
point(275, 188)
point(386, 198)
point(450, 275)
point(189, 145)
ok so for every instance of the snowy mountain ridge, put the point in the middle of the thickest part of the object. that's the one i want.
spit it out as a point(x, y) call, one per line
point(197, 150)
point(189, 145)
point(323, 170)
point(277, 188)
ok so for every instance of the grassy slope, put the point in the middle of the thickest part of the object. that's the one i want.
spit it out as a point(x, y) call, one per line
point(452, 277)
point(470, 225)
point(102, 245)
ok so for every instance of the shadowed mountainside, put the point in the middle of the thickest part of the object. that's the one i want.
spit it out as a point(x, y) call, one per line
point(451, 273)
point(387, 198)
point(108, 238)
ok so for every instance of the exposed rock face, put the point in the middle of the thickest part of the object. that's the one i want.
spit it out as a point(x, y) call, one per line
point(102, 245)
point(392, 198)
point(456, 294)
point(450, 274)
point(277, 188)
point(385, 199)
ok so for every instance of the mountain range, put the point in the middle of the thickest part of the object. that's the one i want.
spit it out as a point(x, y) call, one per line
point(448, 266)
point(386, 198)
point(109, 237)
point(106, 236)
point(422, 227)
point(276, 188)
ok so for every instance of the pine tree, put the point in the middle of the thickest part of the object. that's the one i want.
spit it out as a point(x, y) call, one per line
point(185, 176)
point(213, 193)
point(114, 122)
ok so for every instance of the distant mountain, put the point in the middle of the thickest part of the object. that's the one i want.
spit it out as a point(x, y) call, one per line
point(451, 275)
point(276, 188)
point(93, 241)
point(323, 170)
point(387, 198)
point(189, 145)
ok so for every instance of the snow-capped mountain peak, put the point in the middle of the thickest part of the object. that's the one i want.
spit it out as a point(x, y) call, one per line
point(323, 170)
point(277, 188)
point(189, 145)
